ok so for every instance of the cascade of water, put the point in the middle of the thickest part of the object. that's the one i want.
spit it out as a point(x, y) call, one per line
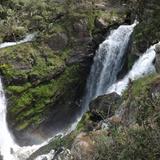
point(28, 38)
point(48, 156)
point(108, 62)
point(143, 66)
point(8, 148)
point(6, 139)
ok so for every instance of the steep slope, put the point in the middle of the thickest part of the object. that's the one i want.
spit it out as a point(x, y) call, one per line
point(44, 80)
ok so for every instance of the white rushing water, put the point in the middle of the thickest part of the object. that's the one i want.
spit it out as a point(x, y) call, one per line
point(143, 66)
point(6, 139)
point(8, 148)
point(28, 38)
point(108, 62)
point(48, 156)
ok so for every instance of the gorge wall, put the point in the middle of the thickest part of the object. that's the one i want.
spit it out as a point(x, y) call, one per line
point(44, 80)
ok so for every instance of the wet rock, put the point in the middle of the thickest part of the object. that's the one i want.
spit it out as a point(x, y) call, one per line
point(157, 63)
point(65, 154)
point(58, 41)
point(80, 55)
point(106, 105)
point(80, 29)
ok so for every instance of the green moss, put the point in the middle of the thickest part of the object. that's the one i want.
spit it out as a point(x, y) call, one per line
point(18, 89)
point(32, 61)
point(34, 101)
point(139, 140)
point(83, 122)
point(142, 85)
point(147, 32)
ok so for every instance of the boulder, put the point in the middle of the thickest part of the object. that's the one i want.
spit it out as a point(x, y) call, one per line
point(58, 41)
point(106, 105)
point(100, 23)
point(157, 63)
point(100, 6)
point(114, 120)
point(80, 29)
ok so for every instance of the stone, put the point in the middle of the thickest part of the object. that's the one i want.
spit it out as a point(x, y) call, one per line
point(80, 26)
point(157, 62)
point(155, 89)
point(80, 29)
point(100, 23)
point(105, 105)
point(115, 119)
point(58, 41)
point(100, 6)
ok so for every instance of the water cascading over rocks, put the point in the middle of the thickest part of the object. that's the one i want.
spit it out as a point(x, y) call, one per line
point(143, 66)
point(108, 62)
point(8, 147)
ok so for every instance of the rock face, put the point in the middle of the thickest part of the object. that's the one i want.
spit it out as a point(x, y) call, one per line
point(147, 32)
point(135, 118)
point(38, 76)
point(58, 41)
point(157, 63)
point(106, 105)
point(132, 121)
point(80, 29)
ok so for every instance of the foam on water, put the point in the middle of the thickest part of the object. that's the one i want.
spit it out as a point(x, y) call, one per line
point(28, 38)
point(108, 62)
point(143, 66)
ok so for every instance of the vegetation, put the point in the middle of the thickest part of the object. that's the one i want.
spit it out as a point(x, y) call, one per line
point(139, 140)
point(147, 32)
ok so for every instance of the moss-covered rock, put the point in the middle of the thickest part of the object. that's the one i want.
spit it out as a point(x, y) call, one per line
point(44, 80)
point(147, 32)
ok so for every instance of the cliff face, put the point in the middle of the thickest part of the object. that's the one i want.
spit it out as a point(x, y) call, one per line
point(45, 79)
point(127, 127)
point(147, 32)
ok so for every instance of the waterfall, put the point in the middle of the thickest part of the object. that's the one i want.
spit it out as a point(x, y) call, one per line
point(28, 38)
point(8, 147)
point(143, 66)
point(6, 139)
point(108, 62)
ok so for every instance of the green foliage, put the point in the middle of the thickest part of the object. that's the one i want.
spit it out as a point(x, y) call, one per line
point(32, 102)
point(130, 144)
point(141, 140)
point(147, 32)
